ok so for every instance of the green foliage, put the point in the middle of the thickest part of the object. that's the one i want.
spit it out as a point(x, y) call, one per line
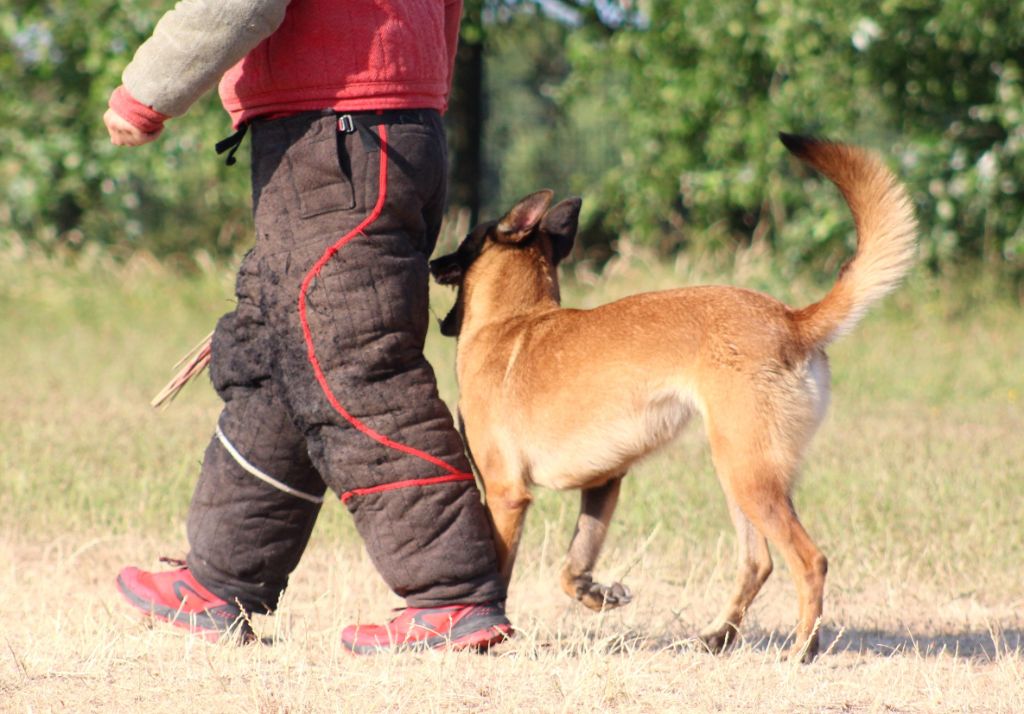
point(698, 89)
point(952, 73)
point(63, 182)
point(525, 124)
point(534, 137)
point(663, 118)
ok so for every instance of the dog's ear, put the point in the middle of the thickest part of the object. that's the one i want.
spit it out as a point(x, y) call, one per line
point(524, 217)
point(561, 223)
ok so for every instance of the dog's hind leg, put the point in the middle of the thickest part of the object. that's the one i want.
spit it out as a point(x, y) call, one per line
point(596, 508)
point(757, 437)
point(761, 490)
point(777, 519)
point(773, 514)
point(754, 565)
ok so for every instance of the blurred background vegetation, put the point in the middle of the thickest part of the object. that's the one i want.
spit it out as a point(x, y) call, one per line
point(661, 113)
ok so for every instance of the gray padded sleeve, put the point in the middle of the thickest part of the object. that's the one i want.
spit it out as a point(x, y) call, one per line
point(193, 45)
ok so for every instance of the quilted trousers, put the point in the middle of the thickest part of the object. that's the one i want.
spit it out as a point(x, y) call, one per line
point(323, 377)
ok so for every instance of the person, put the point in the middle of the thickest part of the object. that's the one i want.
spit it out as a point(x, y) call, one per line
point(320, 365)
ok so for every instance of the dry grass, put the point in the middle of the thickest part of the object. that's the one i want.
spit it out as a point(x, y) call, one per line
point(69, 644)
point(913, 489)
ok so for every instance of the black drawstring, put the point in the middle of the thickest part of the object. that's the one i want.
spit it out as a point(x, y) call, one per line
point(231, 144)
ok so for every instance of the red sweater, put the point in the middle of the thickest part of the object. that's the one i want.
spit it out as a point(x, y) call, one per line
point(349, 55)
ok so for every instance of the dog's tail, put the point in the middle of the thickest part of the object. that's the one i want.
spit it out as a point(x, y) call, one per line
point(886, 236)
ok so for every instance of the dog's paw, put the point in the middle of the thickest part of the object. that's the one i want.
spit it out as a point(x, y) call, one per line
point(599, 597)
point(804, 653)
point(718, 639)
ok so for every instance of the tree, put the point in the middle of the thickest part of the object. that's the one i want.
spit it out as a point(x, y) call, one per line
point(467, 108)
point(63, 183)
point(662, 116)
point(697, 90)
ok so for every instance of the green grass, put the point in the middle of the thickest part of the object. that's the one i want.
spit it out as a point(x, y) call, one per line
point(919, 466)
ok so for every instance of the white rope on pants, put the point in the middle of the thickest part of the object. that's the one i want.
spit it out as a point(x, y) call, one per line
point(230, 448)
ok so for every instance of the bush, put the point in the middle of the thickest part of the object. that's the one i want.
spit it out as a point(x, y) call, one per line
point(697, 89)
point(64, 183)
point(663, 119)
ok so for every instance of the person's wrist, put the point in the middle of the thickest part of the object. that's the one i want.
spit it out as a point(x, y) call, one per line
point(144, 118)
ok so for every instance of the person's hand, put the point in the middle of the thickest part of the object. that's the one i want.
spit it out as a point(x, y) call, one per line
point(124, 133)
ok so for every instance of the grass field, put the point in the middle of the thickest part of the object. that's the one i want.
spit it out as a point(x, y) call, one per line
point(914, 488)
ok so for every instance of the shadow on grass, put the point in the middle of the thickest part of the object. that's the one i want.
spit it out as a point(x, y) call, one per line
point(982, 645)
point(970, 645)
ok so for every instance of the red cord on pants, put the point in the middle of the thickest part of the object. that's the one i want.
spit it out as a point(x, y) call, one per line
point(452, 473)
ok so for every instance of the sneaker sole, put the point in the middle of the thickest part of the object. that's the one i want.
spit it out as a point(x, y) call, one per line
point(201, 624)
point(474, 633)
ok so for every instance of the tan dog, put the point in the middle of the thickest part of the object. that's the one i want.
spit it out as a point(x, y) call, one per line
point(572, 398)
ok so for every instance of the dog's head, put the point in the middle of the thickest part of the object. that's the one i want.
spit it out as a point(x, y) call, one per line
point(530, 225)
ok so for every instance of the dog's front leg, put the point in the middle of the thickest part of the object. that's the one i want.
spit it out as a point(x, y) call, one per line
point(506, 506)
point(596, 508)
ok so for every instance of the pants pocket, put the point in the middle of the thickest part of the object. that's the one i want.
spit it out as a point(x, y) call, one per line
point(321, 173)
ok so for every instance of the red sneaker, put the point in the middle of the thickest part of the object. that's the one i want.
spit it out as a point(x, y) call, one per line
point(176, 597)
point(455, 627)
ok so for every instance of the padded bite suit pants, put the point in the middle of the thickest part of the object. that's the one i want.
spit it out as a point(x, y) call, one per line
point(322, 373)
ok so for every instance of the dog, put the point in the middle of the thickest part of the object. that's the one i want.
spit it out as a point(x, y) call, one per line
point(571, 399)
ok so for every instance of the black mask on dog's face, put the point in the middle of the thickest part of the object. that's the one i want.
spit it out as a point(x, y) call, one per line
point(452, 268)
point(527, 220)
